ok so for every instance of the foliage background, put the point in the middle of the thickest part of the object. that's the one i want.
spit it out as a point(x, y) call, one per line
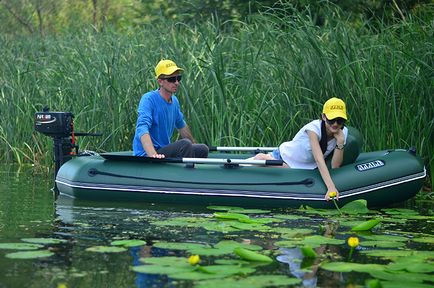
point(256, 71)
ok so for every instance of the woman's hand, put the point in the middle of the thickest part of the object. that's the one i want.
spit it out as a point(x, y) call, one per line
point(339, 136)
point(332, 193)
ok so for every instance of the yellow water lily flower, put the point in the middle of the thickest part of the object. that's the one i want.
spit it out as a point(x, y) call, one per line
point(332, 194)
point(193, 259)
point(353, 242)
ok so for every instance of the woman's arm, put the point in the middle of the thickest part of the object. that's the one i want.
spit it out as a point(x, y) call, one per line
point(338, 154)
point(322, 167)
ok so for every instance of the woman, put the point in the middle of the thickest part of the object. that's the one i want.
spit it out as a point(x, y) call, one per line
point(314, 142)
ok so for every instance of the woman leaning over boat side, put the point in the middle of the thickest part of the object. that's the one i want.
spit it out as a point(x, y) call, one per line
point(314, 142)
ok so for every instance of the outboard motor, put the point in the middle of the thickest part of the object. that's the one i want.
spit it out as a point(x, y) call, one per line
point(60, 127)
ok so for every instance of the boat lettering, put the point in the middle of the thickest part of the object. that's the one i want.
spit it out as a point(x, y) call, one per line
point(370, 165)
point(45, 118)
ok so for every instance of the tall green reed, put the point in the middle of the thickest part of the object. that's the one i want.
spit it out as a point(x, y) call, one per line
point(247, 83)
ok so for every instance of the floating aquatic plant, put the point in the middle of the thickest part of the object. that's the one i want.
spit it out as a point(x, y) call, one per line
point(359, 206)
point(106, 249)
point(234, 209)
point(194, 259)
point(178, 268)
point(353, 242)
point(44, 240)
point(367, 225)
point(30, 254)
point(221, 248)
point(250, 255)
point(256, 281)
point(128, 243)
point(333, 197)
point(308, 252)
point(20, 246)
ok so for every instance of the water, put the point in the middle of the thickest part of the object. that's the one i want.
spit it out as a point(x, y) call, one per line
point(28, 209)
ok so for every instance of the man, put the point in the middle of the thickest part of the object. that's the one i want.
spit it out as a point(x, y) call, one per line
point(159, 114)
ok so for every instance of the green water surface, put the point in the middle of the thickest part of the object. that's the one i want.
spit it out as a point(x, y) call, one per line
point(28, 209)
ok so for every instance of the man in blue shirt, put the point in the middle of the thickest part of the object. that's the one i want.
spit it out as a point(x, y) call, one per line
point(159, 114)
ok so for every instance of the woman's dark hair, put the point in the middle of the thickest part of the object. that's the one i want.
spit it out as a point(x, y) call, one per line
point(323, 140)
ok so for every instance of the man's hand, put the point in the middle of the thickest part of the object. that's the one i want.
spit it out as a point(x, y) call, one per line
point(159, 156)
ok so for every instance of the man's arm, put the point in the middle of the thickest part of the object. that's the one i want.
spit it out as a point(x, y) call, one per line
point(186, 133)
point(149, 146)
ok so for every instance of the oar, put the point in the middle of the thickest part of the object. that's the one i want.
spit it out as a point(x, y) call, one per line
point(243, 149)
point(118, 157)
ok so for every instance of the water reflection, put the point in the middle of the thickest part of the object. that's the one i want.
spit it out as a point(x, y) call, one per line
point(28, 210)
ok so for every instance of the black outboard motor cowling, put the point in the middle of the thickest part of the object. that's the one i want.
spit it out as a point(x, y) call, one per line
point(54, 124)
point(59, 126)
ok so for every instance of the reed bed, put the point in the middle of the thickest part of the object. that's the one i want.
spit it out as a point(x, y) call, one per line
point(246, 83)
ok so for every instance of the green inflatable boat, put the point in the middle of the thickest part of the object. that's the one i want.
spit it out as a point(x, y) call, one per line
point(226, 178)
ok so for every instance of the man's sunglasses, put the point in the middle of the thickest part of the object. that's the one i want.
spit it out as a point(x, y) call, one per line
point(173, 79)
point(338, 120)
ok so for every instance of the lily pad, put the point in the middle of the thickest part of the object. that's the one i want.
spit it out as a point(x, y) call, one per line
point(128, 243)
point(359, 206)
point(234, 216)
point(230, 245)
point(181, 222)
point(166, 261)
point(413, 264)
point(164, 270)
point(348, 267)
point(391, 238)
point(179, 246)
point(249, 226)
point(429, 240)
point(213, 272)
point(399, 211)
point(221, 248)
point(238, 210)
point(394, 254)
point(403, 277)
point(44, 240)
point(224, 208)
point(290, 217)
point(318, 240)
point(288, 243)
point(395, 284)
point(30, 254)
point(105, 249)
point(288, 233)
point(257, 281)
point(382, 244)
point(20, 246)
point(219, 226)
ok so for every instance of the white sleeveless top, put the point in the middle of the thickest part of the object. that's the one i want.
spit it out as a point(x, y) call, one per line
point(297, 153)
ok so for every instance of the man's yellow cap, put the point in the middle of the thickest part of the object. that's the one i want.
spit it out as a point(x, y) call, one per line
point(166, 67)
point(334, 108)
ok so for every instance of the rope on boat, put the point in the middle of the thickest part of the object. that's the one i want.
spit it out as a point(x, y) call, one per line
point(307, 182)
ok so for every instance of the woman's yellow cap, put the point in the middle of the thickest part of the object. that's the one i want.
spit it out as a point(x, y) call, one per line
point(335, 108)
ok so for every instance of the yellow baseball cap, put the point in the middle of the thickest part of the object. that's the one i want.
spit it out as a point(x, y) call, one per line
point(166, 67)
point(334, 108)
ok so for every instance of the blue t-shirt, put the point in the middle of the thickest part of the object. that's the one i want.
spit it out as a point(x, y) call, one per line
point(159, 119)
